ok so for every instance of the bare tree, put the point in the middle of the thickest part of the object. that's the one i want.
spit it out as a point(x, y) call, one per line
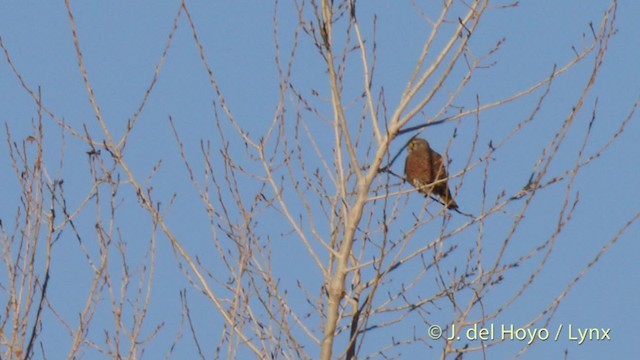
point(320, 186)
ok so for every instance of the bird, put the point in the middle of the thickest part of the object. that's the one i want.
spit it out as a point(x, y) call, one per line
point(425, 170)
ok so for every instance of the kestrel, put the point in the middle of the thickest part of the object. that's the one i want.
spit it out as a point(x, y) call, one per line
point(425, 170)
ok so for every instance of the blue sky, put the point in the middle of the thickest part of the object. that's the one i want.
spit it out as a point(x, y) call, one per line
point(122, 43)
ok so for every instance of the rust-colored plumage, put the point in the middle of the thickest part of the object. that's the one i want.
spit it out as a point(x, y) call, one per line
point(425, 170)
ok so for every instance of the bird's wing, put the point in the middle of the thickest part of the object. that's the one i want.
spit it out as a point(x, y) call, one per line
point(438, 166)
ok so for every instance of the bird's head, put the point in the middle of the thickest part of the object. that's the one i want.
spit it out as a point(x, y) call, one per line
point(418, 144)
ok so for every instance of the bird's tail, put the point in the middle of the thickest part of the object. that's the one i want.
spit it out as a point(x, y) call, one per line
point(448, 200)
